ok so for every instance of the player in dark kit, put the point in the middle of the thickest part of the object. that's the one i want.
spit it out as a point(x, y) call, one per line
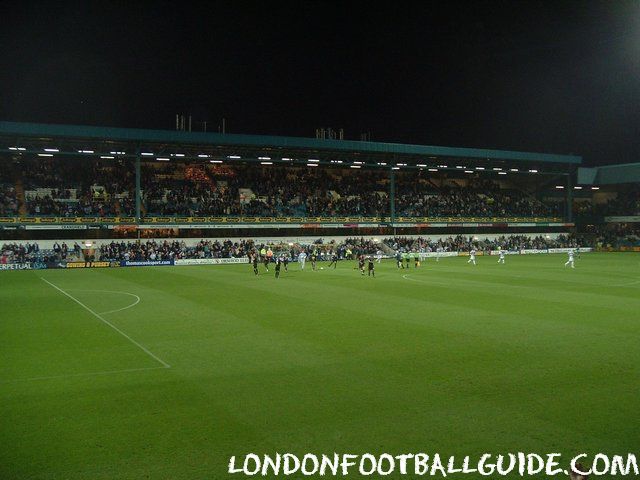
point(314, 259)
point(361, 264)
point(372, 268)
point(334, 261)
point(285, 261)
point(399, 259)
point(254, 261)
point(278, 265)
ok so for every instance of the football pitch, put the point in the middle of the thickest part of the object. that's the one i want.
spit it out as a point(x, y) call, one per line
point(166, 372)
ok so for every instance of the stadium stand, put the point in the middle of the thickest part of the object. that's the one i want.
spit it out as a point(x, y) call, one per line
point(70, 188)
point(64, 188)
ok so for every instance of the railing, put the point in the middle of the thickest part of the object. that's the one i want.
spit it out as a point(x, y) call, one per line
point(248, 220)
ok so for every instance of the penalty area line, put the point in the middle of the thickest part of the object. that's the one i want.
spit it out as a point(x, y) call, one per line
point(106, 322)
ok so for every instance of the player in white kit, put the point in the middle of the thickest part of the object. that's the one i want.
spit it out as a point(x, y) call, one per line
point(570, 261)
point(379, 256)
point(302, 258)
point(472, 256)
point(501, 259)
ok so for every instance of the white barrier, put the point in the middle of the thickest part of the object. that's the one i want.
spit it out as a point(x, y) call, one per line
point(567, 250)
point(534, 251)
point(438, 254)
point(211, 261)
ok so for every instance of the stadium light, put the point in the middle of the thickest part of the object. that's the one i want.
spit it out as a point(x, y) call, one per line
point(497, 169)
point(202, 155)
point(395, 168)
point(479, 168)
point(107, 157)
point(285, 159)
point(315, 160)
point(513, 169)
point(442, 166)
point(147, 154)
point(595, 188)
point(336, 161)
point(45, 154)
point(21, 149)
point(383, 164)
point(264, 158)
point(433, 169)
point(86, 151)
point(577, 188)
point(177, 154)
point(533, 171)
point(215, 161)
point(117, 153)
point(559, 187)
point(13, 148)
point(355, 166)
point(460, 166)
point(358, 163)
point(162, 159)
point(401, 164)
point(51, 150)
point(266, 163)
point(502, 173)
point(468, 171)
point(421, 165)
point(312, 164)
point(235, 156)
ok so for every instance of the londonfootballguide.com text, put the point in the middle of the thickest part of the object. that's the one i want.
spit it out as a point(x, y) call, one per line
point(435, 465)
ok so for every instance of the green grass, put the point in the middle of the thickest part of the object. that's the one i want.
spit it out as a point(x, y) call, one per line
point(450, 358)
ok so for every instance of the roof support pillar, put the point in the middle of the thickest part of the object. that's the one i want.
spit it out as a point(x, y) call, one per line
point(569, 214)
point(392, 195)
point(138, 189)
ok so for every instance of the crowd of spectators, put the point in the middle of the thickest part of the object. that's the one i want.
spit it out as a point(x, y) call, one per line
point(614, 235)
point(19, 253)
point(268, 191)
point(8, 200)
point(261, 191)
point(465, 243)
point(152, 250)
point(30, 252)
point(624, 204)
point(80, 187)
point(479, 198)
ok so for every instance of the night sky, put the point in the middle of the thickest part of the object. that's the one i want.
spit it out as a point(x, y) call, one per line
point(560, 77)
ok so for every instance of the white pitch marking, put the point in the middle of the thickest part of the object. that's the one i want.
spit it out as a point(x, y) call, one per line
point(106, 322)
point(114, 291)
point(624, 284)
point(88, 374)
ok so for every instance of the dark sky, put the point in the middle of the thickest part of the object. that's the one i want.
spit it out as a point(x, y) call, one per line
point(561, 77)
